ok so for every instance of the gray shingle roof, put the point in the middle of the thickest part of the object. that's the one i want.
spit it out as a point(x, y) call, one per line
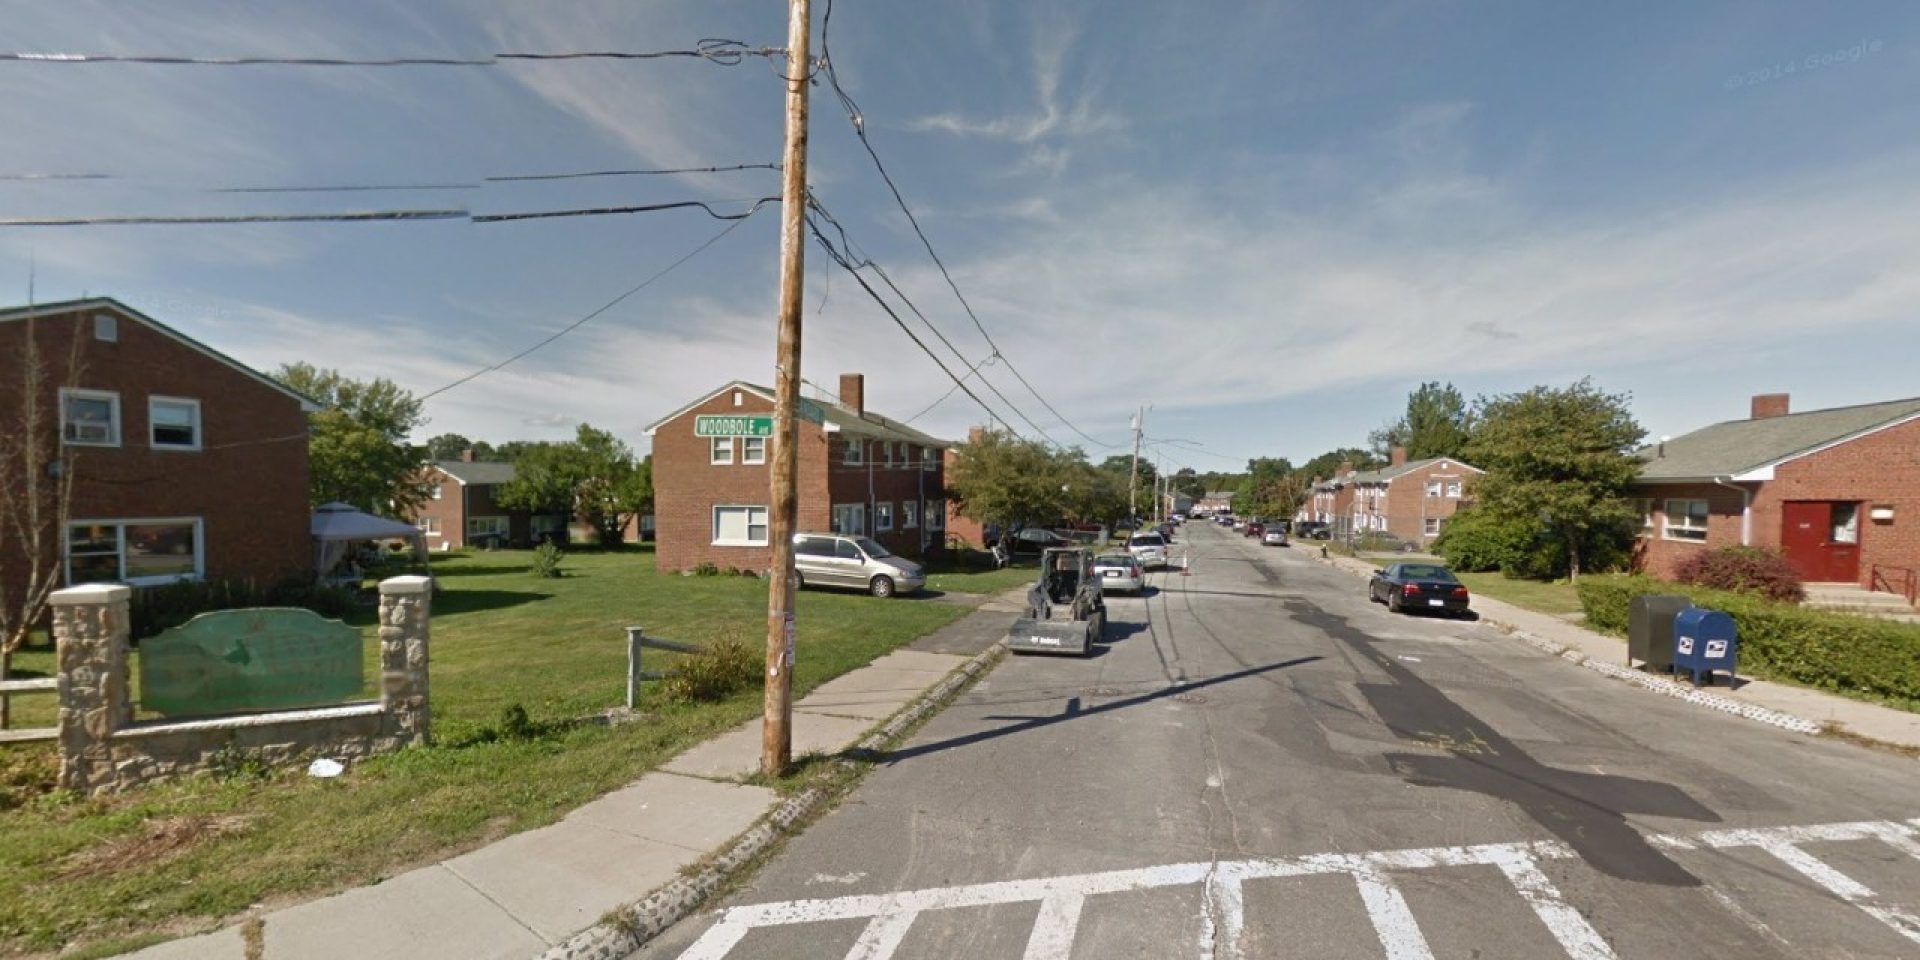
point(1737, 446)
point(478, 472)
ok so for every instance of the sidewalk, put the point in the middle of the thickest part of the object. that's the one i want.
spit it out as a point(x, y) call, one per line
point(515, 898)
point(1872, 721)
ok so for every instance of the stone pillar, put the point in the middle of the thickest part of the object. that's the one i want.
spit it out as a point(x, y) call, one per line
point(405, 617)
point(90, 628)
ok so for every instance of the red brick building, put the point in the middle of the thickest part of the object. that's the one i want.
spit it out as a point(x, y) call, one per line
point(461, 507)
point(186, 463)
point(1412, 501)
point(1837, 491)
point(859, 472)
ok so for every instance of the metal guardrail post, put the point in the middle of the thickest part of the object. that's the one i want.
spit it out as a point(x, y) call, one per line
point(634, 635)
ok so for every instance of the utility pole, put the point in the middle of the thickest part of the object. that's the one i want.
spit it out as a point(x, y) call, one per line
point(1133, 476)
point(776, 729)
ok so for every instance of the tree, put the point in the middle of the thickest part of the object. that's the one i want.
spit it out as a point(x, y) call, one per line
point(451, 446)
point(1272, 488)
point(357, 450)
point(1188, 483)
point(36, 495)
point(1436, 424)
point(1561, 459)
point(1000, 479)
point(593, 477)
point(1323, 466)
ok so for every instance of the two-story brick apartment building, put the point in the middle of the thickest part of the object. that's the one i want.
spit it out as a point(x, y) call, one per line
point(1837, 490)
point(185, 462)
point(462, 509)
point(859, 472)
point(1412, 501)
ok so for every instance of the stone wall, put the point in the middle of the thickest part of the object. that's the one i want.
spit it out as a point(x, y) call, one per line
point(103, 750)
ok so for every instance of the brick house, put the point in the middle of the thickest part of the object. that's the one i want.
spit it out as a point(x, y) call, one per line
point(461, 506)
point(1837, 491)
point(859, 472)
point(1412, 501)
point(186, 463)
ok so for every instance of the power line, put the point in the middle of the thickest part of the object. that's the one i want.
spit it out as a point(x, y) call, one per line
point(633, 173)
point(354, 188)
point(644, 208)
point(367, 216)
point(577, 324)
point(858, 120)
point(723, 52)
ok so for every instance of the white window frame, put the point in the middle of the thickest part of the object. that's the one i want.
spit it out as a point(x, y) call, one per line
point(120, 526)
point(748, 540)
point(909, 515)
point(856, 511)
point(199, 428)
point(81, 393)
point(886, 453)
point(1430, 527)
point(929, 459)
point(855, 456)
point(436, 489)
point(1434, 488)
point(1644, 507)
point(1684, 531)
point(883, 516)
point(747, 447)
point(503, 528)
point(1453, 489)
point(428, 525)
point(713, 451)
point(936, 514)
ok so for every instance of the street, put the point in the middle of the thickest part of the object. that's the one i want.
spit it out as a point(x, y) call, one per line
point(1260, 763)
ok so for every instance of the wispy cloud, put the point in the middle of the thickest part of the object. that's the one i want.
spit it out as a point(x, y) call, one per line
point(1051, 113)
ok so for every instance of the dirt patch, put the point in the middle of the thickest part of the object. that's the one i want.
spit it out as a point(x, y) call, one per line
point(159, 841)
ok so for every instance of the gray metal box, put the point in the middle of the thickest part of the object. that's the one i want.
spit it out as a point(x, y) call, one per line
point(1650, 629)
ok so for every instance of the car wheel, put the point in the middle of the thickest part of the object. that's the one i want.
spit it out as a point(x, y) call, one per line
point(1393, 603)
point(799, 580)
point(881, 587)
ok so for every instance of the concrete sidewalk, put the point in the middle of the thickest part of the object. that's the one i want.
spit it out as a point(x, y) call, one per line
point(515, 898)
point(1872, 721)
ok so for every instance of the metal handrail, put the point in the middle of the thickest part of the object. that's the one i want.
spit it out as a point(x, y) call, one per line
point(1909, 581)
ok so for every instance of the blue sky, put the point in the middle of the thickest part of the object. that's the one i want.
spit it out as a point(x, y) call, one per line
point(1268, 220)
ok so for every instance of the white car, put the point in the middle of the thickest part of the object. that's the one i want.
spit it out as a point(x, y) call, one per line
point(1148, 548)
point(1274, 536)
point(1119, 571)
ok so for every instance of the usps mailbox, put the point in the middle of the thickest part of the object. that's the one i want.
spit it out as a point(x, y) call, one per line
point(1705, 641)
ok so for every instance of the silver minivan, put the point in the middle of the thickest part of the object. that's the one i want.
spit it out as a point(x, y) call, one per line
point(844, 560)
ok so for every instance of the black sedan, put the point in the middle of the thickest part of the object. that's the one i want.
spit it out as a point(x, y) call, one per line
point(1406, 587)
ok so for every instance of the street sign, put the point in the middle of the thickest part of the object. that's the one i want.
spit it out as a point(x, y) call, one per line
point(758, 425)
point(811, 412)
point(260, 659)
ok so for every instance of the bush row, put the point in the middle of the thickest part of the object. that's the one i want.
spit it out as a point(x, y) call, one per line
point(1833, 651)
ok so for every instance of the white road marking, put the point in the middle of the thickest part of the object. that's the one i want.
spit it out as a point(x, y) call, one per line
point(854, 877)
point(1062, 899)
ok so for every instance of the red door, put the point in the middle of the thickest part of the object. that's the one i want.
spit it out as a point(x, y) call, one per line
point(1821, 539)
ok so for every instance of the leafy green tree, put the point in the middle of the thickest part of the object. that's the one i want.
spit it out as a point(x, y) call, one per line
point(594, 477)
point(1323, 466)
point(1001, 479)
point(1437, 423)
point(1560, 458)
point(1188, 483)
point(357, 450)
point(450, 446)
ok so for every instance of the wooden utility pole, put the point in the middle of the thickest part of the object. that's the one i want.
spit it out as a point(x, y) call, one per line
point(776, 731)
point(1133, 476)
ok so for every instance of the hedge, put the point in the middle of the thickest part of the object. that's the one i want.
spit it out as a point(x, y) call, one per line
point(1832, 651)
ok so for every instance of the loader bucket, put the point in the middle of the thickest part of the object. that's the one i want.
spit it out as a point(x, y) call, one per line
point(1028, 635)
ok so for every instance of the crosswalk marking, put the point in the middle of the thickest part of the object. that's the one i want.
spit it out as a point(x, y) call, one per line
point(1061, 900)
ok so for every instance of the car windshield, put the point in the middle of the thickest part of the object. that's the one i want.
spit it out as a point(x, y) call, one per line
point(1147, 540)
point(1112, 560)
point(1416, 571)
point(872, 549)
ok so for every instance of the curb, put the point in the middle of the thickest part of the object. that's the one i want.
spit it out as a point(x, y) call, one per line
point(638, 924)
point(1657, 684)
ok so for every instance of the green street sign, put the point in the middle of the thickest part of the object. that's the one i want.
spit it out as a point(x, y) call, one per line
point(240, 660)
point(758, 425)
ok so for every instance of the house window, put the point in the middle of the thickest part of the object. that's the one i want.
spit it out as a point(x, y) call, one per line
point(90, 417)
point(486, 526)
point(1453, 489)
point(739, 398)
point(753, 450)
point(1431, 526)
point(928, 459)
point(137, 552)
point(722, 451)
point(936, 514)
point(106, 328)
point(1686, 520)
point(854, 453)
point(1644, 507)
point(435, 491)
point(173, 423)
point(850, 518)
point(883, 516)
point(1433, 488)
point(909, 514)
point(740, 526)
point(428, 525)
point(1846, 523)
point(886, 452)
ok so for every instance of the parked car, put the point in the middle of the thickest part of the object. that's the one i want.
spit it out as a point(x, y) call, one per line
point(1274, 536)
point(1166, 530)
point(1313, 530)
point(1225, 519)
point(1380, 541)
point(1120, 571)
point(1254, 528)
point(1148, 548)
point(1033, 541)
point(1406, 587)
point(841, 560)
point(1179, 518)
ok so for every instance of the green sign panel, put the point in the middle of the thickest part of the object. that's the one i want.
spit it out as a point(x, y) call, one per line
point(759, 425)
point(240, 660)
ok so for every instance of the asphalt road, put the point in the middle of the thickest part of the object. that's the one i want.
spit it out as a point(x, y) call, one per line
point(1263, 764)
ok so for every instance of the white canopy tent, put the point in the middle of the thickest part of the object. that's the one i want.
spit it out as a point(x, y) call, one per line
point(337, 526)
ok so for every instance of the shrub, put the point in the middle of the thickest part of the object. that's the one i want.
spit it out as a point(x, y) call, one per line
point(713, 673)
point(706, 569)
point(1833, 651)
point(546, 561)
point(1474, 542)
point(154, 609)
point(1750, 570)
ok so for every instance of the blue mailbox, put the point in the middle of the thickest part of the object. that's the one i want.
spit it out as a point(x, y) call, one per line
point(1705, 641)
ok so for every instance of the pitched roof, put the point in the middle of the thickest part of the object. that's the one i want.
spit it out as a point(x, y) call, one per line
point(476, 472)
point(307, 404)
point(837, 417)
point(1390, 473)
point(1737, 447)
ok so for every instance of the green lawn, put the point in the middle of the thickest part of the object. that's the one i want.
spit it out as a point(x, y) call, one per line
point(979, 579)
point(182, 856)
point(1557, 598)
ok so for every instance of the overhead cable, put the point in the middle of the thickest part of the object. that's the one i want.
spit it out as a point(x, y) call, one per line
point(724, 52)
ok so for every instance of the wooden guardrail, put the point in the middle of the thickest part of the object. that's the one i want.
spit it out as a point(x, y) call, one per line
point(637, 640)
point(9, 688)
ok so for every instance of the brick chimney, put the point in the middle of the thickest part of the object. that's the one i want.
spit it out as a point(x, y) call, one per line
point(1397, 456)
point(853, 392)
point(1769, 405)
point(466, 456)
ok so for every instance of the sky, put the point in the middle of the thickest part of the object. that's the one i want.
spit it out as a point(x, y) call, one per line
point(1268, 221)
